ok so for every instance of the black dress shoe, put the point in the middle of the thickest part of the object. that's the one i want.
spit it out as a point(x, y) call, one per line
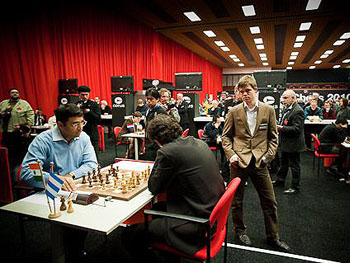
point(243, 239)
point(278, 245)
point(291, 191)
point(277, 183)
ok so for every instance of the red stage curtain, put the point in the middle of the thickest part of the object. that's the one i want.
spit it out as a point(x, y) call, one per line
point(90, 45)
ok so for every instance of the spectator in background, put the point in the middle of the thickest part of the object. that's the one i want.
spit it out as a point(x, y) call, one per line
point(316, 97)
point(328, 111)
point(141, 107)
point(97, 100)
point(309, 98)
point(39, 117)
point(344, 110)
point(182, 107)
point(313, 111)
point(164, 102)
point(215, 109)
point(106, 110)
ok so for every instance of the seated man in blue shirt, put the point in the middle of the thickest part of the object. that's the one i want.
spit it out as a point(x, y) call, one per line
point(66, 145)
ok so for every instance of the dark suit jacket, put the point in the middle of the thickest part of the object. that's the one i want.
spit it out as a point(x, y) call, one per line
point(183, 112)
point(187, 171)
point(292, 137)
point(93, 118)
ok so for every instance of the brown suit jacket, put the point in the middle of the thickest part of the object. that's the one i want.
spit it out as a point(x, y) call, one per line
point(237, 139)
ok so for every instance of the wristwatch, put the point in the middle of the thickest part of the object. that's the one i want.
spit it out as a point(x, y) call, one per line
point(71, 174)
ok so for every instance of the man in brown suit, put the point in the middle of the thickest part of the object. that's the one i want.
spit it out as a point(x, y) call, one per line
point(250, 142)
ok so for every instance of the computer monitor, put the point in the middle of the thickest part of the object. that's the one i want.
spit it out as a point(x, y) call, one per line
point(122, 83)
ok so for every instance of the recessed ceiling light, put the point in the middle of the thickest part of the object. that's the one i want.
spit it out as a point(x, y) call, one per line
point(254, 30)
point(265, 64)
point(288, 67)
point(240, 64)
point(192, 16)
point(225, 48)
point(318, 62)
point(313, 5)
point(305, 26)
point(263, 59)
point(300, 38)
point(293, 57)
point(219, 43)
point(236, 60)
point(312, 67)
point(248, 10)
point(345, 35)
point(338, 42)
point(295, 53)
point(346, 60)
point(336, 66)
point(209, 33)
point(299, 44)
point(291, 63)
point(232, 56)
point(259, 47)
point(324, 56)
point(329, 51)
point(262, 55)
point(258, 40)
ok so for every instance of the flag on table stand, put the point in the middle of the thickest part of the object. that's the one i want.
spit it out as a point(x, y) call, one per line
point(54, 185)
point(130, 126)
point(36, 170)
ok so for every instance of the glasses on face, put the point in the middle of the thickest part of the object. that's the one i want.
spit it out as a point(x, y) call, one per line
point(77, 124)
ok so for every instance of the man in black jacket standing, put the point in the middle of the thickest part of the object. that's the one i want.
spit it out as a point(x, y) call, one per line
point(182, 107)
point(292, 141)
point(92, 115)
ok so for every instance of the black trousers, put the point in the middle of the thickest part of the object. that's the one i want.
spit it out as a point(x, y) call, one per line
point(292, 161)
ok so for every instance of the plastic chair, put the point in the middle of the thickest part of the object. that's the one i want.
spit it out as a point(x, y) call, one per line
point(213, 148)
point(317, 146)
point(218, 217)
point(6, 194)
point(116, 130)
point(101, 135)
point(185, 133)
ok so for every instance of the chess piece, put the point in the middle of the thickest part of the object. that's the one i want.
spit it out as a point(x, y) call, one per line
point(107, 179)
point(124, 190)
point(115, 183)
point(94, 177)
point(84, 180)
point(138, 179)
point(90, 181)
point(63, 205)
point(70, 206)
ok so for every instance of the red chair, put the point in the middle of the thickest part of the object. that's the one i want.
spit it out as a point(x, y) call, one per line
point(217, 217)
point(213, 148)
point(185, 133)
point(6, 194)
point(116, 131)
point(317, 146)
point(101, 135)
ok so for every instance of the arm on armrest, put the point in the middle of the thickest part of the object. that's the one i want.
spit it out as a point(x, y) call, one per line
point(177, 216)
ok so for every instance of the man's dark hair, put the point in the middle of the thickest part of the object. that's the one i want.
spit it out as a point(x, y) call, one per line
point(153, 93)
point(341, 121)
point(64, 112)
point(345, 102)
point(13, 88)
point(137, 114)
point(215, 118)
point(164, 128)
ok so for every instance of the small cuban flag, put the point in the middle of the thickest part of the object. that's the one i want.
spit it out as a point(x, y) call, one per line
point(54, 185)
point(130, 126)
point(36, 170)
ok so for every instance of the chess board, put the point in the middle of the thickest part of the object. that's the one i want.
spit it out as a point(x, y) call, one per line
point(126, 179)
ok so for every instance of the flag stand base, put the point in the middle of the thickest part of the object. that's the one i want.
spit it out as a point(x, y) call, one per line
point(54, 215)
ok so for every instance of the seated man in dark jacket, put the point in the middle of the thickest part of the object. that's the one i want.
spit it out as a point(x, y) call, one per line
point(186, 170)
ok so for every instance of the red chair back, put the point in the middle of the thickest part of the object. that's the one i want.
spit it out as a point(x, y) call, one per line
point(219, 216)
point(200, 133)
point(6, 194)
point(101, 134)
point(316, 142)
point(185, 133)
point(116, 130)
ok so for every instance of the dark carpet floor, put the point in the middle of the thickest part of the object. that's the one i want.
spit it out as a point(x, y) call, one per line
point(314, 223)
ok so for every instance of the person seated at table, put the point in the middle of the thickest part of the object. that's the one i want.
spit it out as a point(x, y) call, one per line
point(186, 170)
point(130, 125)
point(313, 111)
point(215, 109)
point(332, 135)
point(106, 110)
point(39, 117)
point(141, 107)
point(344, 110)
point(328, 111)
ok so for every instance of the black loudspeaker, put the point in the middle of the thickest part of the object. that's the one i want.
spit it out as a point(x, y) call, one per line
point(271, 98)
point(193, 110)
point(64, 99)
point(68, 86)
point(158, 84)
point(188, 81)
point(122, 84)
point(271, 78)
point(122, 105)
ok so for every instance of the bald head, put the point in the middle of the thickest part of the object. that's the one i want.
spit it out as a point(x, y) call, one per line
point(288, 98)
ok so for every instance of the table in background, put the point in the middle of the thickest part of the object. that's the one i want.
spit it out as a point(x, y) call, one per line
point(136, 136)
point(38, 129)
